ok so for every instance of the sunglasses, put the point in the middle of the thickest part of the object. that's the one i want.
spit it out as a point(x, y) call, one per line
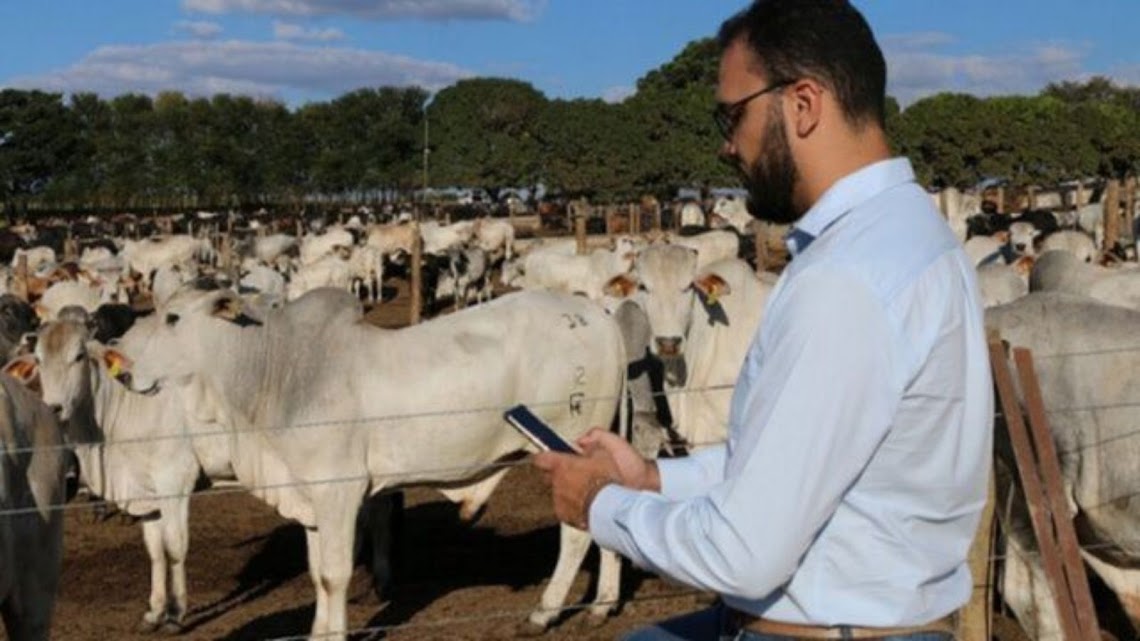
point(727, 116)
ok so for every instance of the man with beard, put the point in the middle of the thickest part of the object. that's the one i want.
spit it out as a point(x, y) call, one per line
point(845, 500)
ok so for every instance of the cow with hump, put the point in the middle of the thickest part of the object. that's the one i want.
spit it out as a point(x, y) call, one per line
point(326, 409)
point(1085, 358)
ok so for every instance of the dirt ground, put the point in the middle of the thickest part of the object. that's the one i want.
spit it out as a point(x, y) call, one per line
point(247, 576)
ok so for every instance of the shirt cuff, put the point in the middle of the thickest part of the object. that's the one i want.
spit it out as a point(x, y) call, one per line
point(682, 478)
point(604, 526)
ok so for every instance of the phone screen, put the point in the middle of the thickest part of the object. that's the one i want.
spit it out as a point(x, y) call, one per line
point(537, 431)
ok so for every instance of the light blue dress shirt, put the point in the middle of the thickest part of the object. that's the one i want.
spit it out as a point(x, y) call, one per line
point(859, 438)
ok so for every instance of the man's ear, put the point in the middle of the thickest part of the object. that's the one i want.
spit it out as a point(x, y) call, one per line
point(807, 105)
point(23, 368)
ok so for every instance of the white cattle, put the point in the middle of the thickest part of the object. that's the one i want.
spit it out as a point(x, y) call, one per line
point(692, 215)
point(440, 238)
point(129, 448)
point(1077, 243)
point(31, 523)
point(957, 206)
point(467, 276)
point(1090, 218)
point(1022, 237)
point(366, 269)
point(703, 322)
point(985, 249)
point(1001, 283)
point(168, 279)
point(573, 274)
point(1061, 271)
point(66, 293)
point(391, 239)
point(257, 278)
point(146, 256)
point(1085, 359)
point(39, 259)
point(711, 246)
point(732, 212)
point(93, 256)
point(496, 237)
point(314, 247)
point(269, 248)
point(332, 270)
point(394, 425)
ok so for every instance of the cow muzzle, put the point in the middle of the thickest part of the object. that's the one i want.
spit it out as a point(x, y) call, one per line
point(668, 346)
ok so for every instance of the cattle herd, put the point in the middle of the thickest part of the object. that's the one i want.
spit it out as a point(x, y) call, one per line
point(149, 359)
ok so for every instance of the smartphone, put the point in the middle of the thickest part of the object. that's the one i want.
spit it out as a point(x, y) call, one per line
point(537, 431)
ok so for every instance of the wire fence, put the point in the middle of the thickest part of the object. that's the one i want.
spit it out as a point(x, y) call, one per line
point(462, 471)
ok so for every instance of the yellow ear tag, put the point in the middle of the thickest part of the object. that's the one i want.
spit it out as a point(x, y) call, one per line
point(711, 297)
point(115, 367)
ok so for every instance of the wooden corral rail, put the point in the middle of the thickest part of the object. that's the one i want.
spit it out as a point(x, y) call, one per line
point(1040, 473)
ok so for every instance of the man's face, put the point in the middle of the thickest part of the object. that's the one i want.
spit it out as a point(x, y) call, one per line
point(757, 143)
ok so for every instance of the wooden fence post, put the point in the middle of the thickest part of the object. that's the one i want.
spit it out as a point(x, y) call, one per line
point(1111, 199)
point(415, 284)
point(20, 282)
point(580, 232)
point(1001, 199)
point(943, 205)
point(1031, 197)
point(760, 240)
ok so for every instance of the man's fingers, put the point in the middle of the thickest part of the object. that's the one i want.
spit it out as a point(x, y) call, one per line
point(592, 438)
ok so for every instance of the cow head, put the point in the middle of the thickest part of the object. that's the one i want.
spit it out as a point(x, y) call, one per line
point(1022, 236)
point(665, 283)
point(63, 358)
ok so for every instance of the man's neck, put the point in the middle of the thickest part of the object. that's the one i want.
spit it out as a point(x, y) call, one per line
point(844, 156)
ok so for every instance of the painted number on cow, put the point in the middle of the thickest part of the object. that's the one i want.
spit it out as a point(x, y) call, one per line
point(574, 321)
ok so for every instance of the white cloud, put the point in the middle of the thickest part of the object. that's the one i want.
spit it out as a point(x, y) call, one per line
point(270, 69)
point(914, 70)
point(289, 31)
point(198, 29)
point(618, 93)
point(518, 10)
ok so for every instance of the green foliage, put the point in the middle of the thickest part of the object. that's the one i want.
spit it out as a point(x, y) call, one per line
point(175, 151)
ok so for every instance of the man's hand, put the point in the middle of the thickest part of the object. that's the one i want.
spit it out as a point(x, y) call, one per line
point(634, 471)
point(575, 480)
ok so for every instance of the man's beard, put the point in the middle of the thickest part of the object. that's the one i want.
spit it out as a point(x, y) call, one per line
point(771, 178)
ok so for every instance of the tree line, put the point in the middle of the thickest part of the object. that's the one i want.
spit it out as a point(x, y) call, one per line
point(172, 151)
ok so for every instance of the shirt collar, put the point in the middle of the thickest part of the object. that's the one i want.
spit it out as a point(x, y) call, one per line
point(847, 193)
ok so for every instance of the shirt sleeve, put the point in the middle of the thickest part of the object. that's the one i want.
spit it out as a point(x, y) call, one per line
point(815, 410)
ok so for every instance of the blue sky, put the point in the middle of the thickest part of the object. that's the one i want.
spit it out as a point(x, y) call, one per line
point(304, 50)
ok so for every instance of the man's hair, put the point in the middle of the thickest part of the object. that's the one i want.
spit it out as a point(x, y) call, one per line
point(827, 40)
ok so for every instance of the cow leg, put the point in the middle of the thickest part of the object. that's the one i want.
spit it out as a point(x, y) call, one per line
point(152, 537)
point(176, 541)
point(1124, 583)
point(1026, 591)
point(609, 587)
point(336, 520)
point(313, 548)
point(572, 547)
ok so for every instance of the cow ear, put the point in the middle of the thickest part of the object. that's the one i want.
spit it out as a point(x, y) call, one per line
point(116, 362)
point(1002, 236)
point(22, 368)
point(620, 286)
point(41, 312)
point(227, 307)
point(712, 287)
